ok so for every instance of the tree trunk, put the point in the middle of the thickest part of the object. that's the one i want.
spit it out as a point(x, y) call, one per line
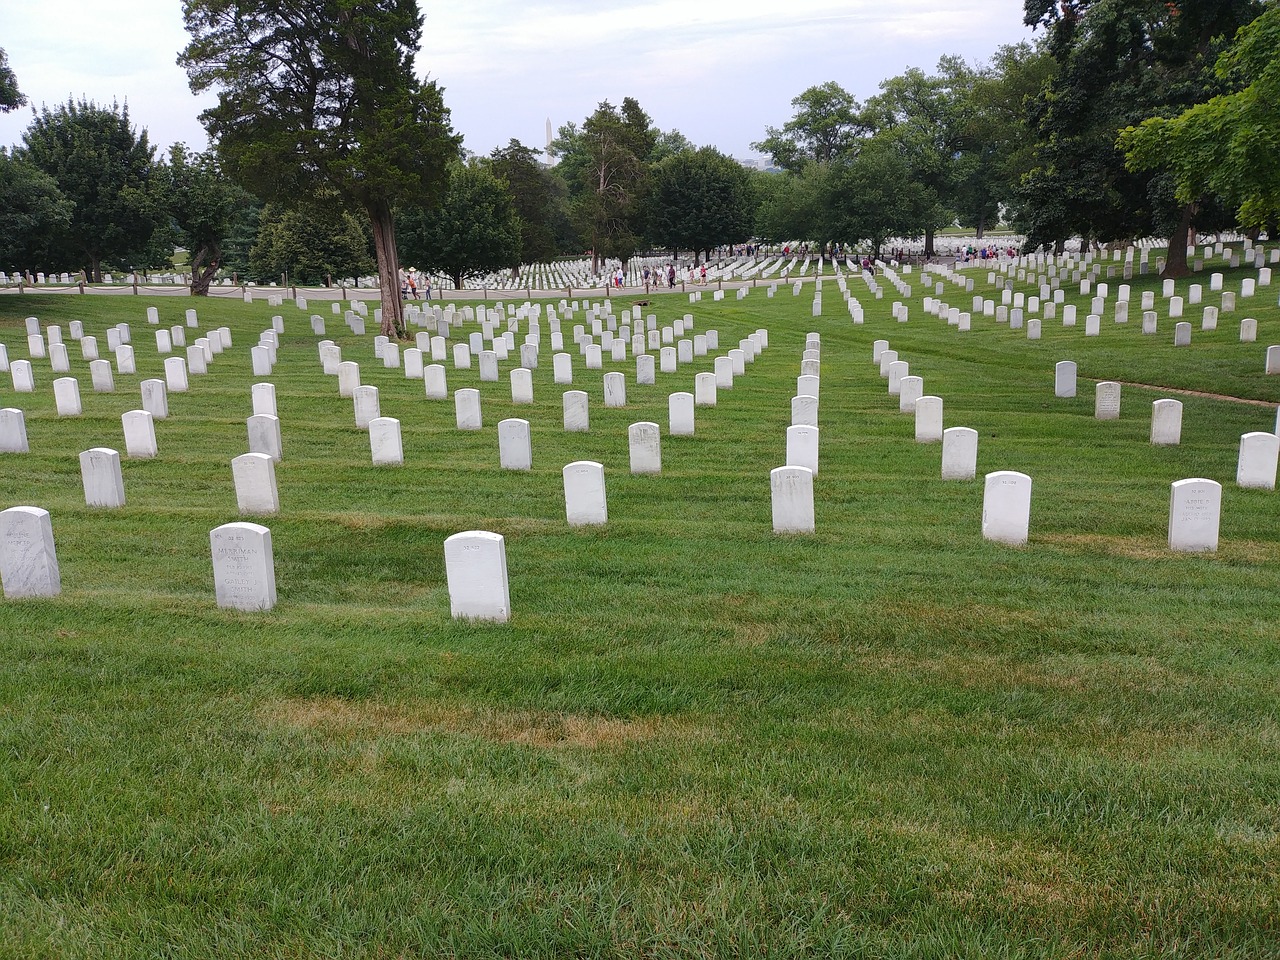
point(981, 227)
point(457, 279)
point(928, 241)
point(384, 245)
point(95, 269)
point(1175, 260)
point(202, 276)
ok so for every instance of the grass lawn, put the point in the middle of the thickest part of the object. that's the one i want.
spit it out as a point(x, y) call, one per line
point(694, 738)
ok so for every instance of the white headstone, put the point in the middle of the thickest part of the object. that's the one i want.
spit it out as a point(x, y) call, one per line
point(959, 453)
point(724, 373)
point(66, 397)
point(475, 564)
point(1064, 378)
point(562, 368)
point(100, 371)
point(264, 435)
point(1006, 507)
point(13, 431)
point(1195, 510)
point(24, 380)
point(515, 449)
point(263, 396)
point(1256, 467)
point(367, 405)
point(1166, 423)
point(28, 562)
point(101, 476)
point(680, 416)
point(434, 380)
point(802, 447)
point(584, 495)
point(254, 475)
point(385, 445)
point(466, 403)
point(139, 434)
point(1106, 401)
point(704, 389)
point(645, 444)
point(521, 385)
point(804, 411)
point(791, 490)
point(244, 575)
point(576, 411)
point(615, 390)
point(929, 420)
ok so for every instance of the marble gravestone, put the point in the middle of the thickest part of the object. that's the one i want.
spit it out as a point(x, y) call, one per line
point(1195, 508)
point(645, 445)
point(244, 576)
point(475, 564)
point(254, 476)
point(791, 494)
point(1006, 507)
point(584, 493)
point(959, 453)
point(28, 561)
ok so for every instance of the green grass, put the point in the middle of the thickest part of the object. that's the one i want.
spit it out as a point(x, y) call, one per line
point(695, 738)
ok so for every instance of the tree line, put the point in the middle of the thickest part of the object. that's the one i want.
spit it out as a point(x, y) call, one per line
point(330, 158)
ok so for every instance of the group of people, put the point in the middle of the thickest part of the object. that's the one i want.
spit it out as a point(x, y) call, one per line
point(409, 280)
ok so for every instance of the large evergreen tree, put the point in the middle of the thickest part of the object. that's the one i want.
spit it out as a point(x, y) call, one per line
point(324, 94)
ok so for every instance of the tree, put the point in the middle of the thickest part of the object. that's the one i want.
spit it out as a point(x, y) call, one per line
point(323, 94)
point(473, 231)
point(205, 206)
point(926, 118)
point(873, 196)
point(788, 204)
point(827, 124)
point(605, 165)
point(1228, 146)
point(107, 171)
point(699, 199)
point(310, 243)
point(536, 199)
point(33, 213)
point(10, 96)
point(999, 138)
point(1118, 62)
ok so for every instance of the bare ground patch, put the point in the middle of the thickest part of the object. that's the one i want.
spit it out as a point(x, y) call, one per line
point(542, 730)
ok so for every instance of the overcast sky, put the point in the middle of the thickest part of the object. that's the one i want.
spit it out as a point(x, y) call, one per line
point(719, 71)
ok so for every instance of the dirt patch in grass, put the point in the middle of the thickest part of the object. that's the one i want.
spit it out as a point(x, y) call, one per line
point(331, 715)
point(1153, 548)
point(1131, 548)
point(1196, 393)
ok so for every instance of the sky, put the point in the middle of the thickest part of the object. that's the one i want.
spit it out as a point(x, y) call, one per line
point(719, 71)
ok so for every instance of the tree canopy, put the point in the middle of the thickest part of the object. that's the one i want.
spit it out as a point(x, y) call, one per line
point(10, 96)
point(699, 199)
point(472, 231)
point(205, 205)
point(106, 170)
point(324, 94)
point(1228, 146)
point(828, 124)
